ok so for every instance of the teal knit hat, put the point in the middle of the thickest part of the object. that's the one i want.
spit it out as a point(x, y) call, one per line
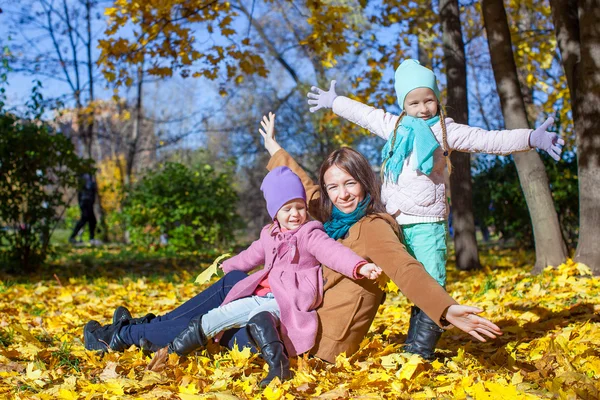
point(411, 75)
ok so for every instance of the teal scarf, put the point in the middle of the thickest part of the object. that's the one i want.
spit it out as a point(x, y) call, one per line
point(412, 133)
point(339, 223)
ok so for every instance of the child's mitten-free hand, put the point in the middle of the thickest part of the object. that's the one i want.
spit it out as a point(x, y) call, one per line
point(268, 134)
point(550, 142)
point(322, 99)
point(369, 271)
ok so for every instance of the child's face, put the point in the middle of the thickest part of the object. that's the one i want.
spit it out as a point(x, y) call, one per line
point(292, 214)
point(421, 103)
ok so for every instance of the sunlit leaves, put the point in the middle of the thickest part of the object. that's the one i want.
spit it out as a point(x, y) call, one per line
point(184, 36)
point(550, 326)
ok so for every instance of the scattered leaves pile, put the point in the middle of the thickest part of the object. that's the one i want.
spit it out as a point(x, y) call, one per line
point(549, 348)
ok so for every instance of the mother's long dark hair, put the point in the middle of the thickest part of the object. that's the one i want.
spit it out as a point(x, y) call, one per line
point(359, 168)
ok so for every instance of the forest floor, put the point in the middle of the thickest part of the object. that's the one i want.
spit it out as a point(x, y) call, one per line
point(550, 347)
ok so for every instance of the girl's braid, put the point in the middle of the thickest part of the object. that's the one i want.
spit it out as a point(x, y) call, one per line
point(445, 146)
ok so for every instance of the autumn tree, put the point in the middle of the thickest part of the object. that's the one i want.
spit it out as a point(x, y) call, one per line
point(55, 40)
point(465, 244)
point(549, 244)
point(578, 34)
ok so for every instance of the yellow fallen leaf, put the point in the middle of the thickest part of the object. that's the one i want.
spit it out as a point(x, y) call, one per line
point(189, 389)
point(390, 361)
point(529, 316)
point(272, 393)
point(32, 374)
point(65, 297)
point(240, 357)
point(110, 371)
point(583, 269)
point(210, 271)
point(66, 394)
point(437, 365)
point(409, 369)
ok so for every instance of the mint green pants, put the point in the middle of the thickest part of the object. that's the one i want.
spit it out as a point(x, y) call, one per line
point(427, 243)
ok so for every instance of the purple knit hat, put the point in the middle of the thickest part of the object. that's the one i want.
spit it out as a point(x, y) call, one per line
point(280, 186)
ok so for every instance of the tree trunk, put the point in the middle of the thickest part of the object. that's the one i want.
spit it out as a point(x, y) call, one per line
point(550, 248)
point(465, 244)
point(91, 120)
point(137, 127)
point(578, 35)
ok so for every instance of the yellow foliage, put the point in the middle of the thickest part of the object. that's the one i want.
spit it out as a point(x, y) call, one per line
point(548, 350)
point(110, 176)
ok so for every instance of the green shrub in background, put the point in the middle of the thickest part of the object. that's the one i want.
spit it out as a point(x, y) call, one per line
point(37, 167)
point(498, 199)
point(195, 209)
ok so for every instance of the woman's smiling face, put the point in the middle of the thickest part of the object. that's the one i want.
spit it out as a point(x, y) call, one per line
point(343, 190)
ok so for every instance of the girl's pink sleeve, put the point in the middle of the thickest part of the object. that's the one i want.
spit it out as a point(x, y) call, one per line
point(247, 260)
point(333, 254)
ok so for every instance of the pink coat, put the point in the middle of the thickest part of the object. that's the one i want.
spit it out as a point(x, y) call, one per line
point(292, 260)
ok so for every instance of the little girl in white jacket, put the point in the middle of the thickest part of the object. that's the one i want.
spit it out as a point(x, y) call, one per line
point(413, 166)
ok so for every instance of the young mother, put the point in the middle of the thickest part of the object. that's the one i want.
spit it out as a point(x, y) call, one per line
point(347, 200)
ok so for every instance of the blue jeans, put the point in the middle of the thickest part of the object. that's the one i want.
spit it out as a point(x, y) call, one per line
point(163, 329)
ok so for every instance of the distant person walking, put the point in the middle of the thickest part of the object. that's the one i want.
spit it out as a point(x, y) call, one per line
point(86, 197)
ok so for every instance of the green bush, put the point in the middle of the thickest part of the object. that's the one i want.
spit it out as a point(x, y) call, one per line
point(195, 209)
point(37, 167)
point(498, 199)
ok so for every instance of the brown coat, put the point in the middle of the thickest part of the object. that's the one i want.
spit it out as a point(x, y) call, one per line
point(349, 306)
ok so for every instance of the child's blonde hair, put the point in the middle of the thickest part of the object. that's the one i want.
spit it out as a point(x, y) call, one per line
point(445, 146)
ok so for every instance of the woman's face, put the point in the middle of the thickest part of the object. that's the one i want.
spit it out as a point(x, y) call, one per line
point(343, 190)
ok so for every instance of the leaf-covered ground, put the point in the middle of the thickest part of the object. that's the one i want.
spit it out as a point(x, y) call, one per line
point(550, 348)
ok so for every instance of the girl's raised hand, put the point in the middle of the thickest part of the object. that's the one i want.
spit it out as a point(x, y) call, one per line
point(550, 142)
point(369, 271)
point(268, 134)
point(320, 98)
point(465, 319)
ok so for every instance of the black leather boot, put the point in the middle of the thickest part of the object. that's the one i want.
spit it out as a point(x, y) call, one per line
point(262, 330)
point(101, 338)
point(190, 339)
point(410, 336)
point(123, 314)
point(425, 336)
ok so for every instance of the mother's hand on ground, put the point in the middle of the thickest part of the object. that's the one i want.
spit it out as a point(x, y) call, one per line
point(268, 134)
point(465, 319)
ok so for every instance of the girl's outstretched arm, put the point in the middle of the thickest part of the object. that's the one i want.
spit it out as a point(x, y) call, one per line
point(375, 120)
point(471, 139)
point(466, 319)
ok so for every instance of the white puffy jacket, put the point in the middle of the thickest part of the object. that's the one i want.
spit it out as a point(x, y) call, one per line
point(419, 197)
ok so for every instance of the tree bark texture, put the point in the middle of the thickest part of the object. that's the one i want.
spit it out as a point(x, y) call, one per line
point(578, 34)
point(550, 248)
point(465, 243)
